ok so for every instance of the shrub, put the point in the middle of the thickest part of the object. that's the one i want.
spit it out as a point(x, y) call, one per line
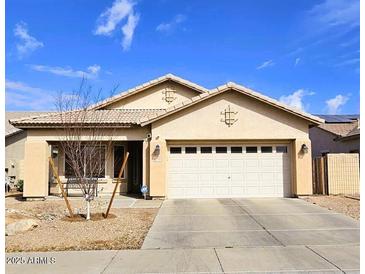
point(20, 185)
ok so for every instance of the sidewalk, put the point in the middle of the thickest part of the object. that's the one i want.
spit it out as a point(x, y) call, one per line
point(219, 260)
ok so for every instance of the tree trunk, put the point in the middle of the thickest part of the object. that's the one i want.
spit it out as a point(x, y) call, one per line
point(88, 210)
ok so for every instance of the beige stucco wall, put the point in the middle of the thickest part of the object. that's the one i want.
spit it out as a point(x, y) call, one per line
point(256, 121)
point(302, 168)
point(37, 180)
point(118, 134)
point(153, 98)
point(325, 141)
point(14, 155)
point(36, 168)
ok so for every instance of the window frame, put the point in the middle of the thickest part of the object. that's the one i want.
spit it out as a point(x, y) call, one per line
point(72, 176)
point(251, 152)
point(266, 152)
point(181, 150)
point(217, 147)
point(193, 147)
point(208, 147)
point(235, 152)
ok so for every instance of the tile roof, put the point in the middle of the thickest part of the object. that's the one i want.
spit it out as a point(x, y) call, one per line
point(230, 86)
point(339, 129)
point(10, 115)
point(146, 85)
point(112, 117)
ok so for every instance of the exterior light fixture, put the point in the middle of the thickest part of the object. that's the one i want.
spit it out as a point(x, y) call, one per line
point(304, 148)
point(157, 149)
point(54, 151)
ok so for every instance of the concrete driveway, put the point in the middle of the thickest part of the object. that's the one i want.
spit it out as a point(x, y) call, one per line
point(224, 236)
point(280, 232)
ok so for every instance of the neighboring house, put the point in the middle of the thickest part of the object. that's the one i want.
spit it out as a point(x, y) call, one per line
point(14, 145)
point(338, 134)
point(186, 141)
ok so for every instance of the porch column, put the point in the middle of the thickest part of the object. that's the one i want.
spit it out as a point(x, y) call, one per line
point(302, 167)
point(36, 169)
point(145, 163)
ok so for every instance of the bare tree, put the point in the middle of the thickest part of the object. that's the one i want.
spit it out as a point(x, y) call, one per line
point(83, 140)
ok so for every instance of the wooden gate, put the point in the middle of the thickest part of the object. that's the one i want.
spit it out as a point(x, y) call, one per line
point(320, 178)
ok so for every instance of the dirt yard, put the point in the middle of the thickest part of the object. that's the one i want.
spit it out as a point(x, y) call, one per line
point(126, 230)
point(340, 204)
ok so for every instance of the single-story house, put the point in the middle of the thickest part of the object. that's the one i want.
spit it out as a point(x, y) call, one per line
point(338, 134)
point(186, 141)
point(14, 145)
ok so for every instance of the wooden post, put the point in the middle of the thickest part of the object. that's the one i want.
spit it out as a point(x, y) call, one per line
point(55, 174)
point(322, 178)
point(116, 184)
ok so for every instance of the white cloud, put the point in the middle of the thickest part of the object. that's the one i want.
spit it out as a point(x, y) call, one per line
point(27, 43)
point(128, 30)
point(22, 96)
point(333, 13)
point(334, 104)
point(297, 60)
point(295, 99)
point(90, 73)
point(268, 63)
point(169, 26)
point(111, 18)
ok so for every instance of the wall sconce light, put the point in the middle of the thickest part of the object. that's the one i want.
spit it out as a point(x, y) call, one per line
point(54, 152)
point(304, 148)
point(157, 149)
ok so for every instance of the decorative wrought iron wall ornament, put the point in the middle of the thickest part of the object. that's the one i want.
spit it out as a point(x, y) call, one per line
point(229, 116)
point(169, 94)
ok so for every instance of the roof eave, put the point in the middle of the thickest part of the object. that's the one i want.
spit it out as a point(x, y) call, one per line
point(57, 125)
point(148, 85)
point(312, 119)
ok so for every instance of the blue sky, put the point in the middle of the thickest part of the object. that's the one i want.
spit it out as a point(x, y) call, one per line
point(303, 53)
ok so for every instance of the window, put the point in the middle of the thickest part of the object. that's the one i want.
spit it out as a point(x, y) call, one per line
point(281, 149)
point(118, 160)
point(89, 162)
point(206, 150)
point(251, 149)
point(266, 149)
point(236, 149)
point(190, 150)
point(175, 150)
point(221, 149)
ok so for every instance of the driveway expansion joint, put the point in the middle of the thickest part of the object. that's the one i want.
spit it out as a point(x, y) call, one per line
point(111, 260)
point(219, 261)
point(324, 258)
point(256, 221)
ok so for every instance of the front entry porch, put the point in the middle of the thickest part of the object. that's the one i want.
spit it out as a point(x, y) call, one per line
point(40, 181)
point(111, 156)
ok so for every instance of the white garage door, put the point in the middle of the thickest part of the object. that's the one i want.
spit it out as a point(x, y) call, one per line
point(205, 171)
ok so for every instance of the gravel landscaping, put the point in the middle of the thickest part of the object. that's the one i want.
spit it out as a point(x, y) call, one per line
point(340, 204)
point(126, 229)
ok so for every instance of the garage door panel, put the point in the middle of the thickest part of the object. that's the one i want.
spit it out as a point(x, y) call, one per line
point(207, 163)
point(221, 164)
point(237, 164)
point(212, 174)
point(191, 163)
